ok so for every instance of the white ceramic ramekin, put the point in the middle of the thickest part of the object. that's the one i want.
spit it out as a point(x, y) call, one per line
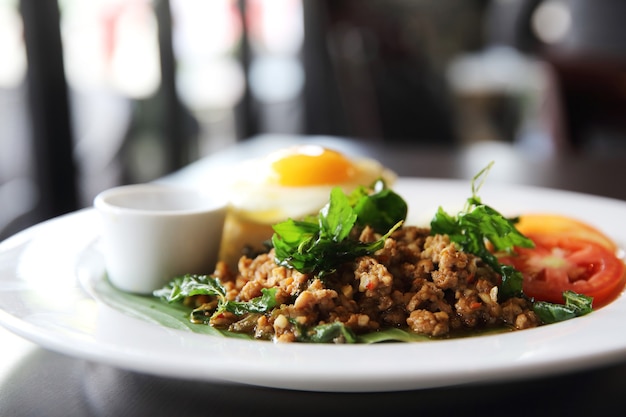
point(152, 233)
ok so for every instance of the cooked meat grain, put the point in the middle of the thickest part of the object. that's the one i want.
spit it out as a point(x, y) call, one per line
point(416, 281)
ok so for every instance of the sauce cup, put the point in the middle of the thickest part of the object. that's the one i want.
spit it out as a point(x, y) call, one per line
point(152, 233)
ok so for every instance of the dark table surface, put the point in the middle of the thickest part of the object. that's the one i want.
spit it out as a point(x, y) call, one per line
point(38, 382)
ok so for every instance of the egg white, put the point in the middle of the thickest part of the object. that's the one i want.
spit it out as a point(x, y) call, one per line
point(253, 196)
point(256, 202)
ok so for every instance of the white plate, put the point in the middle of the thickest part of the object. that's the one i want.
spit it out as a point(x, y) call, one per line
point(48, 274)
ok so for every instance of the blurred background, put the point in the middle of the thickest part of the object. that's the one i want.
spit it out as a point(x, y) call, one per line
point(105, 92)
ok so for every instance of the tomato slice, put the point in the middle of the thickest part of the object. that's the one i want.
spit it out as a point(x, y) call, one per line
point(561, 262)
point(564, 226)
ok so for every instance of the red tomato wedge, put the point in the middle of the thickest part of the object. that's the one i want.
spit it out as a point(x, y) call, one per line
point(563, 261)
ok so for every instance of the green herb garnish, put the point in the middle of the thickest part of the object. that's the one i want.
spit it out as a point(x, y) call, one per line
point(576, 305)
point(324, 333)
point(378, 207)
point(190, 285)
point(478, 224)
point(475, 226)
point(320, 243)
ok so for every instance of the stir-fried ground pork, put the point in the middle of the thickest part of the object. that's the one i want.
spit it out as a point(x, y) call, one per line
point(417, 282)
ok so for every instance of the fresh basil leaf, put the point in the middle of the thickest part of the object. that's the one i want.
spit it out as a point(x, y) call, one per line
point(445, 224)
point(319, 247)
point(293, 232)
point(512, 281)
point(552, 313)
point(326, 333)
point(581, 303)
point(322, 256)
point(478, 225)
point(190, 285)
point(261, 304)
point(337, 218)
point(576, 305)
point(381, 209)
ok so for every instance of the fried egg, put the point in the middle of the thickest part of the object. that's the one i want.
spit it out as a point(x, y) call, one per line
point(289, 183)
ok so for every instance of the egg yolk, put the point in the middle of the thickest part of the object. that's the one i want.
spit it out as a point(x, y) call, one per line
point(311, 165)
